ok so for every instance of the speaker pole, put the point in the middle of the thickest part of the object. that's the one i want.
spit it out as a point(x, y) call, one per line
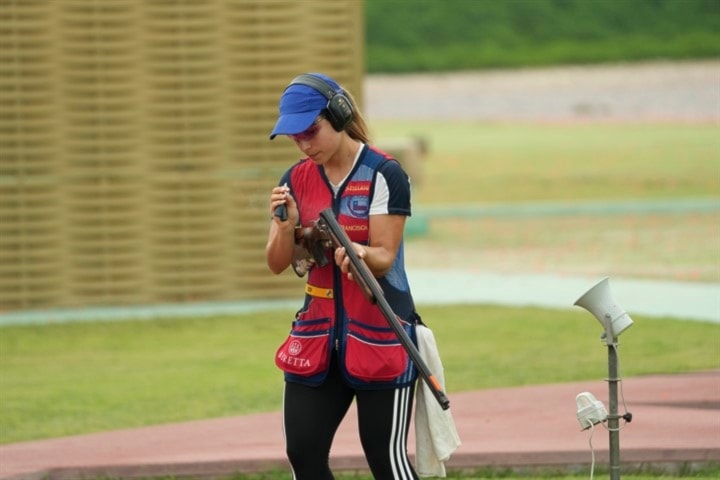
point(613, 418)
point(615, 320)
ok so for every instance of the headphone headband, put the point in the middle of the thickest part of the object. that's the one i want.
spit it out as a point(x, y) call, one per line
point(316, 83)
point(339, 109)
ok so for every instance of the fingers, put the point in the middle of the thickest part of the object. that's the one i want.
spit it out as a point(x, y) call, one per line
point(279, 197)
point(342, 259)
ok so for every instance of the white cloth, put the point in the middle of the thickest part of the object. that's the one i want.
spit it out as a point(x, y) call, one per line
point(436, 437)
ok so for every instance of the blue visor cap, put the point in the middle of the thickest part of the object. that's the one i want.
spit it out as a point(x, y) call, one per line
point(300, 105)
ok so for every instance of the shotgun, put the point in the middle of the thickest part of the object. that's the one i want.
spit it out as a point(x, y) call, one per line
point(328, 227)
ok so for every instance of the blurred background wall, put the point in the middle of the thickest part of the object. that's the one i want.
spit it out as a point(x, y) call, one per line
point(135, 163)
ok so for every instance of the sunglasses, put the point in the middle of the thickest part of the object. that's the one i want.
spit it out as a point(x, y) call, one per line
point(308, 134)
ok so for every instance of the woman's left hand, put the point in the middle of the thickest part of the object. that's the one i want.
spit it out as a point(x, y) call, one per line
point(342, 259)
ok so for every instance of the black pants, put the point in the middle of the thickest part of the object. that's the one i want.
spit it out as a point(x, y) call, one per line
point(312, 415)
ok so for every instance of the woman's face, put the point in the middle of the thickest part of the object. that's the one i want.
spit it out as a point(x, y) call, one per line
point(319, 142)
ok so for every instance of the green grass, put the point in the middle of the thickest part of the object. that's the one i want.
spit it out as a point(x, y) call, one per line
point(678, 247)
point(74, 378)
point(77, 378)
point(477, 163)
point(474, 162)
point(697, 471)
point(706, 472)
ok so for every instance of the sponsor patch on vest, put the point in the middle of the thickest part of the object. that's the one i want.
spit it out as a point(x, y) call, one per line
point(294, 361)
point(295, 347)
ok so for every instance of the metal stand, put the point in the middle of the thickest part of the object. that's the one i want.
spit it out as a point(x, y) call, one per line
point(613, 419)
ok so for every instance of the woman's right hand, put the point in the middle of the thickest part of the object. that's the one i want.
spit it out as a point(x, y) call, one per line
point(280, 248)
point(280, 197)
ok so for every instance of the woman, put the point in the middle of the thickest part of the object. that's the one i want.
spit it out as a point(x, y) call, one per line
point(341, 347)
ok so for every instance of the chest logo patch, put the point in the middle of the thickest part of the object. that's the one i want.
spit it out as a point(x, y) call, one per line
point(357, 207)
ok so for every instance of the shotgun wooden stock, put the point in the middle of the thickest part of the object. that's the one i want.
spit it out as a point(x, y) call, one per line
point(364, 277)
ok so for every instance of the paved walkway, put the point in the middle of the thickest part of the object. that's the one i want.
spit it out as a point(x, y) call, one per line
point(655, 298)
point(676, 421)
point(612, 92)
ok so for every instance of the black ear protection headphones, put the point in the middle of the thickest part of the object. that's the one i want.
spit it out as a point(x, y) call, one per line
point(339, 109)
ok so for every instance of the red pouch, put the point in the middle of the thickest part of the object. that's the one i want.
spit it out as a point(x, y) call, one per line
point(306, 350)
point(374, 353)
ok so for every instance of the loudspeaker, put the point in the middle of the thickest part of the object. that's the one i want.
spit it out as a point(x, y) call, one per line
point(339, 109)
point(600, 302)
point(590, 411)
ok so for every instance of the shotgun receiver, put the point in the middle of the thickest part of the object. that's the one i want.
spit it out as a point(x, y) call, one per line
point(328, 233)
point(312, 244)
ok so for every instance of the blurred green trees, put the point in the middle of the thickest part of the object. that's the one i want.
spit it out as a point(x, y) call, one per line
point(445, 35)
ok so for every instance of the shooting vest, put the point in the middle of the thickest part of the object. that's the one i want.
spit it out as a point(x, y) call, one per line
point(336, 318)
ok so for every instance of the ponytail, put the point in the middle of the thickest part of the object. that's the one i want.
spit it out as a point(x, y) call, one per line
point(357, 130)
